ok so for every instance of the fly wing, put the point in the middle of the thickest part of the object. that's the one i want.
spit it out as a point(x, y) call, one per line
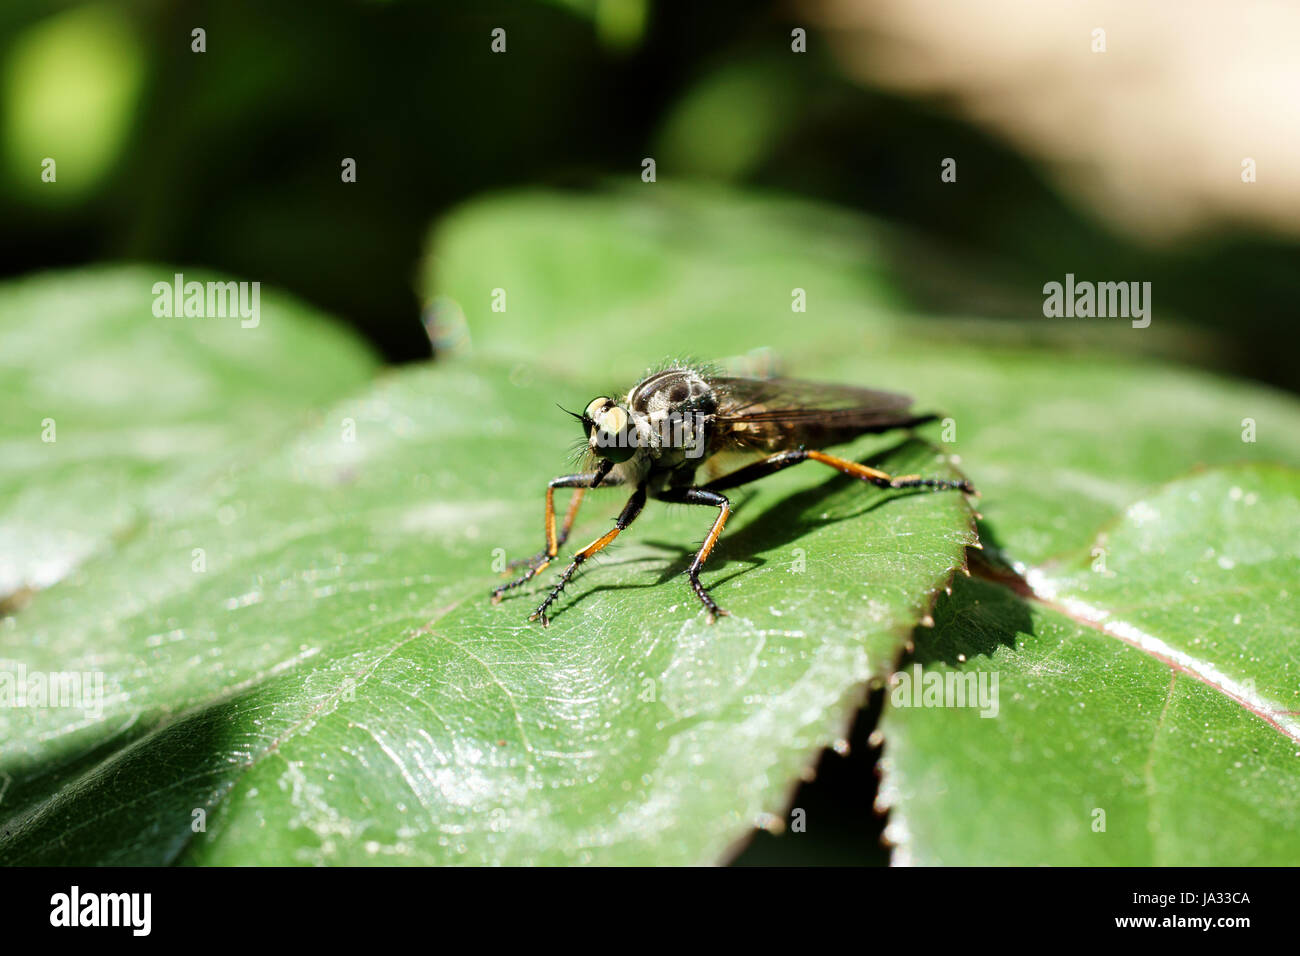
point(784, 412)
point(793, 400)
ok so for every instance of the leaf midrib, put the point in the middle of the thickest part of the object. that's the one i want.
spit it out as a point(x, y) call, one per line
point(1022, 588)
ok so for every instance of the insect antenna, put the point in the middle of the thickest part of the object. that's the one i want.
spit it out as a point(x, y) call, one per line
point(582, 417)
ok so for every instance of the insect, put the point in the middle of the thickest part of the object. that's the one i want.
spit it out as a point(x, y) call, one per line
point(684, 420)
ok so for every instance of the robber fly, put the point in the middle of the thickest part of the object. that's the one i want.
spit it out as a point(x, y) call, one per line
point(684, 419)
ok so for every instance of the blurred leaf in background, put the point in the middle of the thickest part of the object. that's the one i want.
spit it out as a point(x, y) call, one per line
point(247, 139)
point(69, 91)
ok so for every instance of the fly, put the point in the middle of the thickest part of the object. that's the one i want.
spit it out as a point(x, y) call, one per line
point(684, 419)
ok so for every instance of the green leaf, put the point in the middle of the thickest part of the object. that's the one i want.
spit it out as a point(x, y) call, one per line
point(336, 686)
point(1150, 686)
point(112, 414)
point(622, 280)
point(1059, 441)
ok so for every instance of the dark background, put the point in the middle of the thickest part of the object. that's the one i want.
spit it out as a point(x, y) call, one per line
point(230, 159)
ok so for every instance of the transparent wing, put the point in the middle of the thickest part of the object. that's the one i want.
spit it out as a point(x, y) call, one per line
point(793, 402)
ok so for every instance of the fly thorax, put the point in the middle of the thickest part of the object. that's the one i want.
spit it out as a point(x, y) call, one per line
point(647, 441)
point(677, 406)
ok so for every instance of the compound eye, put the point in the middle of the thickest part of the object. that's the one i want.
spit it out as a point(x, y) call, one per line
point(612, 437)
point(594, 408)
point(613, 420)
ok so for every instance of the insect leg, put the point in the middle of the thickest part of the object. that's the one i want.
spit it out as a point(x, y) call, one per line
point(538, 562)
point(625, 518)
point(574, 503)
point(768, 466)
point(702, 496)
point(880, 478)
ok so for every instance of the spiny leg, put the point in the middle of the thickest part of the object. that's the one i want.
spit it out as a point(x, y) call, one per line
point(702, 496)
point(574, 503)
point(625, 518)
point(768, 466)
point(538, 562)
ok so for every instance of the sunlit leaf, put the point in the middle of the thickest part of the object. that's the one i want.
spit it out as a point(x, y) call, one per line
point(335, 686)
point(1146, 697)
